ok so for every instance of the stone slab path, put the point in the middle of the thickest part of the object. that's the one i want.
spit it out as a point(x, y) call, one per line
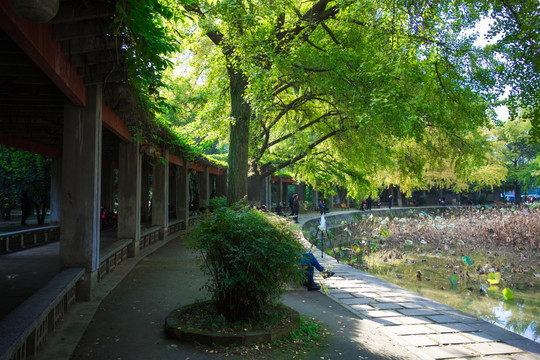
point(428, 329)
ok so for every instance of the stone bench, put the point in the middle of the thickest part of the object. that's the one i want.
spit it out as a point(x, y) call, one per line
point(175, 226)
point(24, 239)
point(23, 331)
point(150, 235)
point(112, 256)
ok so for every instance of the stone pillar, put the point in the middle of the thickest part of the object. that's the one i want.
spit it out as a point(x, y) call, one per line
point(264, 192)
point(301, 191)
point(182, 193)
point(315, 196)
point(172, 186)
point(279, 190)
point(107, 185)
point(285, 194)
point(204, 187)
point(160, 194)
point(145, 193)
point(81, 189)
point(129, 195)
point(56, 191)
point(269, 192)
point(221, 185)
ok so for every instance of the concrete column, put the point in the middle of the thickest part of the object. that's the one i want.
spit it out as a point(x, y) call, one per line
point(264, 193)
point(285, 193)
point(81, 189)
point(269, 192)
point(279, 190)
point(56, 191)
point(315, 197)
point(172, 186)
point(160, 194)
point(204, 187)
point(221, 185)
point(302, 195)
point(107, 185)
point(129, 195)
point(145, 193)
point(182, 193)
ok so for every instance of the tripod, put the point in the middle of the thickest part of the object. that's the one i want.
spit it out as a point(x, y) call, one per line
point(324, 234)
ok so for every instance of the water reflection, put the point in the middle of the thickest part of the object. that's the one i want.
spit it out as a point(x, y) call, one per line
point(520, 315)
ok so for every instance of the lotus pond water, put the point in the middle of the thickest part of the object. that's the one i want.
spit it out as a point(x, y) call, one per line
point(481, 260)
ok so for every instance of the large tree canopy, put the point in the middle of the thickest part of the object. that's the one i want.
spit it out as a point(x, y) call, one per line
point(519, 154)
point(344, 90)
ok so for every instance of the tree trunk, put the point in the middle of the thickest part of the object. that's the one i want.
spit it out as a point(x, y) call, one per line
point(517, 193)
point(41, 212)
point(237, 175)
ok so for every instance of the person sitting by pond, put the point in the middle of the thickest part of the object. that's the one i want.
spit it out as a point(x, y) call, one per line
point(322, 207)
point(279, 209)
point(309, 263)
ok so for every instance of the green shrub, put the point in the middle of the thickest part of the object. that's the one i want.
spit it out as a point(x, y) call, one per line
point(250, 257)
point(217, 202)
point(422, 200)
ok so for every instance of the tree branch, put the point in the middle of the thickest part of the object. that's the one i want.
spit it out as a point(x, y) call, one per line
point(310, 20)
point(331, 33)
point(303, 127)
point(269, 169)
point(311, 69)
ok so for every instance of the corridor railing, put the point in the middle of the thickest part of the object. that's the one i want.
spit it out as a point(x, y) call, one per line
point(24, 239)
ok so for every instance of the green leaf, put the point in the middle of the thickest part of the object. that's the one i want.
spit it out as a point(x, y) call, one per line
point(508, 294)
point(494, 278)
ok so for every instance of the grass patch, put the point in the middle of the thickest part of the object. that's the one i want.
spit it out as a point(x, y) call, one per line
point(311, 336)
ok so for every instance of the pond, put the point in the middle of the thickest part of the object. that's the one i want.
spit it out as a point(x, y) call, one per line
point(520, 315)
point(480, 260)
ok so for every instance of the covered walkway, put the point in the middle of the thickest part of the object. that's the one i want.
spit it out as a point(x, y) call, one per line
point(24, 272)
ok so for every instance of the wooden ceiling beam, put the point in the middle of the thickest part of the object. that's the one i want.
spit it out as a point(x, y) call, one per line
point(98, 57)
point(112, 77)
point(79, 30)
point(90, 44)
point(36, 41)
point(74, 10)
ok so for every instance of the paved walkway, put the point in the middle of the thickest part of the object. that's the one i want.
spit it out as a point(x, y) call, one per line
point(367, 317)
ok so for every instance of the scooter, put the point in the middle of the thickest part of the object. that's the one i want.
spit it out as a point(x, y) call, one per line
point(108, 219)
